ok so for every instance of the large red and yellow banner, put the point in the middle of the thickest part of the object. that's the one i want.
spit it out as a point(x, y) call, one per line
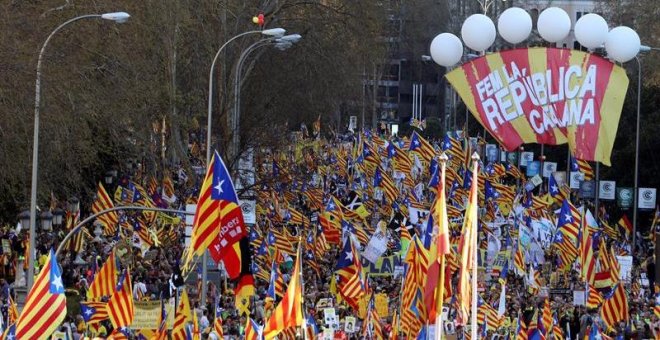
point(546, 95)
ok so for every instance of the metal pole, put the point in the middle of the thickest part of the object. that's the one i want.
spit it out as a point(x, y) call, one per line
point(236, 137)
point(597, 190)
point(35, 150)
point(475, 261)
point(636, 194)
point(209, 115)
point(103, 212)
point(364, 94)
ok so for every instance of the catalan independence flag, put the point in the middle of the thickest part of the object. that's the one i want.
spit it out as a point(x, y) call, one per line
point(12, 311)
point(105, 280)
point(253, 331)
point(45, 306)
point(350, 282)
point(218, 222)
point(94, 312)
point(183, 316)
point(289, 312)
point(120, 307)
point(421, 146)
point(615, 307)
point(104, 202)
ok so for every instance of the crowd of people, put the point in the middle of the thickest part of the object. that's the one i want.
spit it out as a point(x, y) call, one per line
point(296, 183)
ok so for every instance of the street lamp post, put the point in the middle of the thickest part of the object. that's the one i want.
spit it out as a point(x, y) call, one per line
point(118, 17)
point(281, 43)
point(275, 32)
point(642, 48)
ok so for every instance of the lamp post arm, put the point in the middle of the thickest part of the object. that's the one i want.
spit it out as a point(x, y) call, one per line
point(210, 98)
point(103, 212)
point(237, 94)
point(636, 189)
point(35, 147)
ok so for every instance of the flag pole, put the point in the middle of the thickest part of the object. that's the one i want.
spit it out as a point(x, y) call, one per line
point(398, 321)
point(440, 297)
point(475, 262)
point(303, 327)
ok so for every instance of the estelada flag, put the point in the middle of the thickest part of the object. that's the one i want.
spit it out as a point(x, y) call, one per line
point(546, 95)
point(218, 222)
point(45, 307)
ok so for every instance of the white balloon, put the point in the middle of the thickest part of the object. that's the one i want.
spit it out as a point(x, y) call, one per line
point(446, 49)
point(622, 44)
point(478, 32)
point(554, 24)
point(591, 30)
point(514, 25)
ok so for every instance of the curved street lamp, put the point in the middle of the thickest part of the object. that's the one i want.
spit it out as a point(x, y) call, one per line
point(273, 32)
point(118, 17)
point(281, 43)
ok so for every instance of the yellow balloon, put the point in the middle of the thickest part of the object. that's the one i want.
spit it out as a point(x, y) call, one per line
point(255, 20)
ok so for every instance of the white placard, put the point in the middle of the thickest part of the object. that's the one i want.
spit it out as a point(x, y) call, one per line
point(190, 218)
point(560, 177)
point(578, 298)
point(330, 318)
point(328, 334)
point(607, 190)
point(536, 180)
point(625, 263)
point(249, 209)
point(491, 152)
point(352, 123)
point(376, 247)
point(576, 178)
point(526, 157)
point(646, 198)
point(349, 324)
point(549, 168)
point(502, 156)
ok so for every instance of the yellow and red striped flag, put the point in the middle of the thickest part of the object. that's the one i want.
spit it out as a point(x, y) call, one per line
point(104, 202)
point(625, 224)
point(394, 333)
point(217, 327)
point(467, 246)
point(594, 299)
point(587, 260)
point(183, 316)
point(252, 330)
point(120, 306)
point(615, 307)
point(94, 312)
point(519, 261)
point(12, 311)
point(45, 306)
point(522, 329)
point(434, 292)
point(105, 281)
point(288, 312)
point(161, 332)
point(547, 315)
point(421, 146)
point(218, 222)
point(372, 329)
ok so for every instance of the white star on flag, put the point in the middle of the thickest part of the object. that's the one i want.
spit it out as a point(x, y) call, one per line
point(349, 255)
point(219, 186)
point(57, 282)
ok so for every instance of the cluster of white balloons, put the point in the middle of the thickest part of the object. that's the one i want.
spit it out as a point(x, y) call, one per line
point(515, 25)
